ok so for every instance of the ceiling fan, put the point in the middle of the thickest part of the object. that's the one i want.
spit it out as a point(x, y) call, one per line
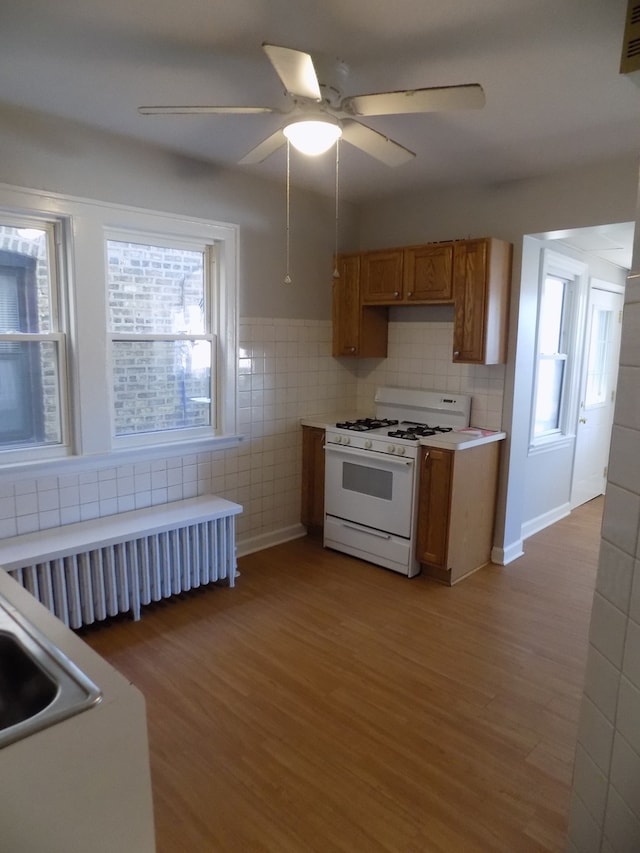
point(319, 108)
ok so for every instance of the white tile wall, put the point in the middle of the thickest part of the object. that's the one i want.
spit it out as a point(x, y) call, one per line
point(285, 371)
point(608, 751)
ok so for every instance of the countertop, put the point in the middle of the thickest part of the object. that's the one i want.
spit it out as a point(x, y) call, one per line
point(462, 439)
point(82, 784)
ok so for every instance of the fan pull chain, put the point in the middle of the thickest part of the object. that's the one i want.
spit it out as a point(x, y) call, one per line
point(287, 278)
point(336, 274)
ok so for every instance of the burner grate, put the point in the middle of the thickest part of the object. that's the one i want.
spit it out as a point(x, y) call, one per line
point(366, 424)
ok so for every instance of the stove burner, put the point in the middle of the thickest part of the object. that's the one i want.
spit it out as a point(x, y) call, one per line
point(366, 424)
point(413, 431)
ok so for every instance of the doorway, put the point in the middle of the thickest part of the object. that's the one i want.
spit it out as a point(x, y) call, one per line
point(598, 379)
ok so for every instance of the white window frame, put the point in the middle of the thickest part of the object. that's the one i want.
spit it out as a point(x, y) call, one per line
point(556, 265)
point(212, 289)
point(83, 225)
point(55, 228)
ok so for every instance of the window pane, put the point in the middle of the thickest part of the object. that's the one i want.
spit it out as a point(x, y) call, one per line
point(155, 289)
point(548, 395)
point(24, 280)
point(29, 394)
point(551, 310)
point(161, 385)
point(601, 321)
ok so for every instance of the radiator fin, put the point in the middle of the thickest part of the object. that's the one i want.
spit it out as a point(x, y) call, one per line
point(85, 587)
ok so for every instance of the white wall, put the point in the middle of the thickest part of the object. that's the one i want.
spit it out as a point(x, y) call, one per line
point(64, 157)
point(600, 194)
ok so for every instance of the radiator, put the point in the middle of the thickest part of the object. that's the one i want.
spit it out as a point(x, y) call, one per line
point(120, 577)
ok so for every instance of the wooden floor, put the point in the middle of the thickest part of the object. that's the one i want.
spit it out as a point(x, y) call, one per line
point(328, 705)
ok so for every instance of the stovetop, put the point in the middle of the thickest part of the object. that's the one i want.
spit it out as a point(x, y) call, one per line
point(409, 430)
point(413, 431)
point(366, 424)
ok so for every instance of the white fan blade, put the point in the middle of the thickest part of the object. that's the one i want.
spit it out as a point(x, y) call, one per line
point(296, 71)
point(467, 97)
point(204, 110)
point(375, 144)
point(264, 149)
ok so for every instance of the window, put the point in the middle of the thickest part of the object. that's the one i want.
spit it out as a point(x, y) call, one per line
point(552, 354)
point(144, 353)
point(32, 373)
point(560, 302)
point(161, 341)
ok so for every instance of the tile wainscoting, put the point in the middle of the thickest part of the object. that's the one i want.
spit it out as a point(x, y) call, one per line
point(285, 371)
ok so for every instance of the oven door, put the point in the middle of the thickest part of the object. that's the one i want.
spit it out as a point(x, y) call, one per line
point(369, 488)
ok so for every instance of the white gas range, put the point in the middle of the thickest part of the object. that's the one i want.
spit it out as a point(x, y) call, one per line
point(371, 477)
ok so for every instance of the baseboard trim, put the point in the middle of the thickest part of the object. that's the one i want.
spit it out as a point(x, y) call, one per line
point(268, 540)
point(504, 556)
point(541, 521)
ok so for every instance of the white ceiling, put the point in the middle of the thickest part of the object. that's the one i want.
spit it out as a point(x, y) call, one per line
point(549, 68)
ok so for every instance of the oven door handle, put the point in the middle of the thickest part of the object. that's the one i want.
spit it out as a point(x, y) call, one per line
point(371, 455)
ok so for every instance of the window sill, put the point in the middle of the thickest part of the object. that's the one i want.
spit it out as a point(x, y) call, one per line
point(73, 464)
point(551, 444)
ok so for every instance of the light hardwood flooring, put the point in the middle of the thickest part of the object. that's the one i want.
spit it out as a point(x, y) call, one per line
point(325, 704)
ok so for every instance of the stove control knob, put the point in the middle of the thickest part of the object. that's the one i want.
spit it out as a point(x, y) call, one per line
point(346, 440)
point(368, 444)
point(337, 439)
point(400, 451)
point(391, 448)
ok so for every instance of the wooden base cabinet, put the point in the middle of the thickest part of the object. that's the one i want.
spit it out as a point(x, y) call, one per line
point(312, 504)
point(456, 510)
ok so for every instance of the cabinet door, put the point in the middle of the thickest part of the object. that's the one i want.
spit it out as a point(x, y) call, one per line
point(346, 306)
point(434, 506)
point(428, 273)
point(381, 276)
point(312, 506)
point(357, 330)
point(469, 283)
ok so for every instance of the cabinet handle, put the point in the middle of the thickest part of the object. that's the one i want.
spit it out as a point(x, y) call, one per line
point(396, 294)
point(426, 456)
point(352, 349)
point(456, 353)
point(410, 293)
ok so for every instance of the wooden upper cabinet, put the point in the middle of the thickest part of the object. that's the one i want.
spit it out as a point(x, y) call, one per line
point(428, 273)
point(357, 330)
point(381, 276)
point(481, 280)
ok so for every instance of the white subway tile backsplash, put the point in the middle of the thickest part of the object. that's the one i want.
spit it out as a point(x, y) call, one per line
point(595, 733)
point(607, 629)
point(621, 518)
point(624, 459)
point(590, 785)
point(621, 827)
point(126, 503)
point(8, 527)
point(27, 523)
point(601, 683)
point(634, 605)
point(26, 504)
point(625, 773)
point(615, 575)
point(629, 713)
point(584, 830)
point(631, 661)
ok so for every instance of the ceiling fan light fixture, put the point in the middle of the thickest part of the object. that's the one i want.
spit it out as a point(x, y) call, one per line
point(313, 136)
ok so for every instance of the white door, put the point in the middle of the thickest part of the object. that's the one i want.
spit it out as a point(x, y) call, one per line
point(597, 395)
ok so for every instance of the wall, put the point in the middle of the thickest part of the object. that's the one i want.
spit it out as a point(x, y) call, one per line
point(289, 371)
point(605, 810)
point(602, 193)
